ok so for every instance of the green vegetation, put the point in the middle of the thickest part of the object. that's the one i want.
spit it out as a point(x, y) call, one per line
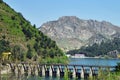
point(66, 76)
point(99, 49)
point(103, 75)
point(24, 41)
point(107, 75)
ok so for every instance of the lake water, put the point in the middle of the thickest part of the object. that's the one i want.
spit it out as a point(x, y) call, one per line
point(77, 61)
point(94, 61)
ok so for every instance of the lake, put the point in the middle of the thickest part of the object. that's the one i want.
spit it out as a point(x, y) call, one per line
point(77, 61)
point(94, 61)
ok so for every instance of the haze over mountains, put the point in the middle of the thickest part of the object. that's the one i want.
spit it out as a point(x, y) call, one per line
point(70, 32)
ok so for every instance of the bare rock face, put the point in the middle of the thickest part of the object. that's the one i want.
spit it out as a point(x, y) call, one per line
point(71, 32)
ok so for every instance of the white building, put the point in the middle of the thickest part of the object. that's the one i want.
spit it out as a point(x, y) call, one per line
point(78, 56)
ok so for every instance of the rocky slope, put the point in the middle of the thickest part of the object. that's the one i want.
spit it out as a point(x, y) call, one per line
point(71, 32)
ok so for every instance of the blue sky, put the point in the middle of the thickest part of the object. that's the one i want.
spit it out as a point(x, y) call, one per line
point(41, 11)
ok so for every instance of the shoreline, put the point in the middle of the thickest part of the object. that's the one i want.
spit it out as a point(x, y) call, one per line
point(92, 57)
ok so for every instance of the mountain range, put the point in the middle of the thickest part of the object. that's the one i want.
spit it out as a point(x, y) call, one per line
point(71, 32)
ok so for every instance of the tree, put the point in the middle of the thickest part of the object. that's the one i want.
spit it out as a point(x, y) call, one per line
point(117, 68)
point(1, 1)
point(29, 52)
point(18, 52)
point(4, 46)
point(34, 26)
point(52, 53)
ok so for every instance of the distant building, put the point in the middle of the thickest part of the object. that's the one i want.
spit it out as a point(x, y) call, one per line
point(68, 55)
point(78, 56)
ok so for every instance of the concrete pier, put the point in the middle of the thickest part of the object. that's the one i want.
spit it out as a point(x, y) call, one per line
point(82, 72)
point(57, 70)
point(43, 70)
point(74, 72)
point(91, 72)
point(50, 71)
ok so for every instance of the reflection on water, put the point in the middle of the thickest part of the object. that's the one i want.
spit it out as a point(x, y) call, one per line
point(13, 77)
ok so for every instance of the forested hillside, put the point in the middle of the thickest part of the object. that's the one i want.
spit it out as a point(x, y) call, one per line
point(25, 41)
point(110, 48)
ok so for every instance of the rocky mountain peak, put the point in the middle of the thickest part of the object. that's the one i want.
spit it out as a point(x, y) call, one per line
point(70, 32)
point(68, 18)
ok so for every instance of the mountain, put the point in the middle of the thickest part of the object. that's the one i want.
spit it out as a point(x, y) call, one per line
point(70, 32)
point(24, 40)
